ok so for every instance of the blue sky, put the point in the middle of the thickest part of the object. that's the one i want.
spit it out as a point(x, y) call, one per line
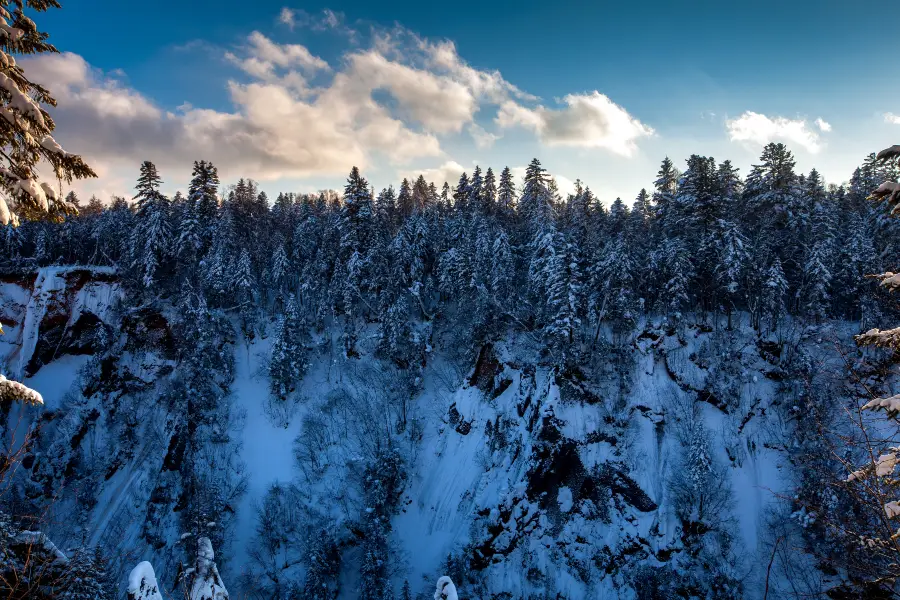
point(293, 95)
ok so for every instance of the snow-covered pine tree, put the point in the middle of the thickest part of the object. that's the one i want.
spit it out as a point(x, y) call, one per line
point(323, 567)
point(203, 581)
point(535, 205)
point(356, 228)
point(290, 353)
point(506, 198)
point(775, 288)
point(611, 295)
point(419, 195)
point(818, 279)
point(731, 261)
point(94, 207)
point(461, 195)
point(386, 212)
point(203, 190)
point(502, 272)
point(854, 260)
point(243, 282)
point(152, 237)
point(488, 198)
point(771, 195)
point(189, 238)
point(563, 297)
point(665, 187)
point(26, 128)
point(87, 577)
point(678, 273)
point(475, 191)
point(383, 483)
point(405, 592)
point(279, 267)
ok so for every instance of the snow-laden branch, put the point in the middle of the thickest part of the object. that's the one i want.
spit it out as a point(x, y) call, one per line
point(13, 391)
point(890, 405)
point(888, 338)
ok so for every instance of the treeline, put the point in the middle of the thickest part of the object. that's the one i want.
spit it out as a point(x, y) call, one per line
point(703, 240)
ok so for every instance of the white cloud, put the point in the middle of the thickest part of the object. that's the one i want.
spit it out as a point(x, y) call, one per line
point(293, 115)
point(287, 17)
point(439, 103)
point(891, 118)
point(449, 172)
point(823, 125)
point(272, 132)
point(760, 129)
point(262, 59)
point(331, 19)
point(483, 139)
point(588, 120)
point(327, 20)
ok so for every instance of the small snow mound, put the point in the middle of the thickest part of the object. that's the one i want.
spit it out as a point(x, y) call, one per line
point(445, 589)
point(142, 583)
point(564, 497)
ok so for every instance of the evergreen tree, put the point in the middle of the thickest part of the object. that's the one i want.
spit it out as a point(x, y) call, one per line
point(290, 354)
point(665, 187)
point(204, 581)
point(87, 577)
point(563, 295)
point(535, 205)
point(26, 136)
point(405, 199)
point(278, 270)
point(189, 238)
point(323, 562)
point(488, 198)
point(461, 195)
point(679, 272)
point(774, 293)
point(731, 261)
point(405, 593)
point(203, 190)
point(152, 238)
point(506, 197)
point(356, 216)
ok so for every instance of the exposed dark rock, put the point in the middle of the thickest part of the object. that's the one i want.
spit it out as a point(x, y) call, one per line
point(487, 369)
point(769, 351)
point(148, 328)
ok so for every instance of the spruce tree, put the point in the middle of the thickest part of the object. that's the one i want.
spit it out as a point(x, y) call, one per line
point(87, 577)
point(563, 296)
point(26, 132)
point(405, 199)
point(152, 238)
point(290, 353)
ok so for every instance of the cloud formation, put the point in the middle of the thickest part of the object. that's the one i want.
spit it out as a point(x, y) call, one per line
point(891, 118)
point(449, 172)
point(823, 125)
point(294, 115)
point(587, 120)
point(760, 129)
point(288, 18)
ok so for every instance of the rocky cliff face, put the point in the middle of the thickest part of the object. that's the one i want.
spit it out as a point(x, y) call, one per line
point(657, 462)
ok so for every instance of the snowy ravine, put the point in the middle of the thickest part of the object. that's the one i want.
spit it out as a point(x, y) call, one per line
point(544, 480)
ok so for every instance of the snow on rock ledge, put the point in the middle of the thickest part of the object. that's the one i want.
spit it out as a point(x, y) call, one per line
point(59, 298)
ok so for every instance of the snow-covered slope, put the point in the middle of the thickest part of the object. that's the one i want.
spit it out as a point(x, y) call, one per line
point(570, 482)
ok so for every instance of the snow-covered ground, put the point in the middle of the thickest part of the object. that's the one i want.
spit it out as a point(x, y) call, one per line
point(457, 483)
